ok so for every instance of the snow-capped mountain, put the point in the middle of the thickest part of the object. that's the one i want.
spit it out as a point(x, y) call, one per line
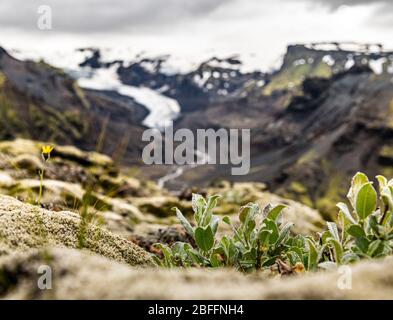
point(324, 112)
point(156, 83)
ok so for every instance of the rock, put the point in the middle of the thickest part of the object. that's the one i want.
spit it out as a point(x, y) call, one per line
point(168, 235)
point(306, 219)
point(80, 275)
point(125, 209)
point(84, 158)
point(161, 206)
point(120, 185)
point(25, 226)
point(29, 162)
point(6, 180)
point(55, 192)
point(19, 147)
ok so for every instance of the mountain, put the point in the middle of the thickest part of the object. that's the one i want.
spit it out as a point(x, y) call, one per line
point(41, 102)
point(324, 114)
point(320, 118)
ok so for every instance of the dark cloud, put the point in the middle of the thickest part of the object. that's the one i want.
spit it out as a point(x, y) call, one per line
point(133, 16)
point(104, 15)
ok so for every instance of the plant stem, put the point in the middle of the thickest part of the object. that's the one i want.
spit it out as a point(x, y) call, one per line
point(41, 185)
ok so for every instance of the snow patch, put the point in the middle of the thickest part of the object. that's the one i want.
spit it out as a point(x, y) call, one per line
point(201, 79)
point(377, 65)
point(223, 64)
point(350, 62)
point(299, 62)
point(356, 47)
point(328, 59)
point(390, 68)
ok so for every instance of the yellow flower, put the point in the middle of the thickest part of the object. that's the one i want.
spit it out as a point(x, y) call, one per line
point(46, 150)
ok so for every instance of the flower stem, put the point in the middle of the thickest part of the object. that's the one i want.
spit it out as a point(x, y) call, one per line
point(41, 185)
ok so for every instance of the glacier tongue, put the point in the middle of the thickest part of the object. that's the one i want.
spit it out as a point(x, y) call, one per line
point(162, 109)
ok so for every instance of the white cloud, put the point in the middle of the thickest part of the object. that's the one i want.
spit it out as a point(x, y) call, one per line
point(104, 16)
point(257, 29)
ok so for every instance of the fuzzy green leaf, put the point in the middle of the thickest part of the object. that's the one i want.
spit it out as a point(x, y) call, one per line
point(356, 231)
point(284, 232)
point(312, 255)
point(338, 250)
point(184, 222)
point(212, 202)
point(333, 230)
point(204, 238)
point(271, 226)
point(227, 220)
point(198, 205)
point(362, 244)
point(375, 248)
point(358, 180)
point(275, 212)
point(366, 201)
point(214, 223)
point(264, 236)
point(344, 209)
point(382, 181)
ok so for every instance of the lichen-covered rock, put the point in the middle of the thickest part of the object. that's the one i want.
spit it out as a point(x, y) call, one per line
point(84, 158)
point(161, 206)
point(6, 180)
point(79, 275)
point(19, 147)
point(23, 227)
point(29, 162)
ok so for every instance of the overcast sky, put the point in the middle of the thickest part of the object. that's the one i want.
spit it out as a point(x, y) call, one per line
point(259, 28)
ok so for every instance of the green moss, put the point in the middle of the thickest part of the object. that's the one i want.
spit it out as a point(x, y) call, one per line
point(10, 123)
point(292, 77)
point(54, 70)
point(81, 95)
point(305, 199)
point(65, 125)
point(306, 158)
point(297, 187)
point(387, 171)
point(333, 193)
point(289, 78)
point(386, 152)
point(2, 79)
point(389, 116)
point(298, 192)
point(322, 70)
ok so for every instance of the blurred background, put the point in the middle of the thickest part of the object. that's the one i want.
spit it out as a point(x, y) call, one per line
point(311, 79)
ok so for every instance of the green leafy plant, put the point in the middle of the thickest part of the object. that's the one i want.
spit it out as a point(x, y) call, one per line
point(260, 239)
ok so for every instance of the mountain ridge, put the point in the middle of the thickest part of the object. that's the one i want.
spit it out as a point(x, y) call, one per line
point(305, 117)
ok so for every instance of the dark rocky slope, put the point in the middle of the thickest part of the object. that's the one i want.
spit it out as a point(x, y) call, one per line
point(306, 141)
point(40, 102)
